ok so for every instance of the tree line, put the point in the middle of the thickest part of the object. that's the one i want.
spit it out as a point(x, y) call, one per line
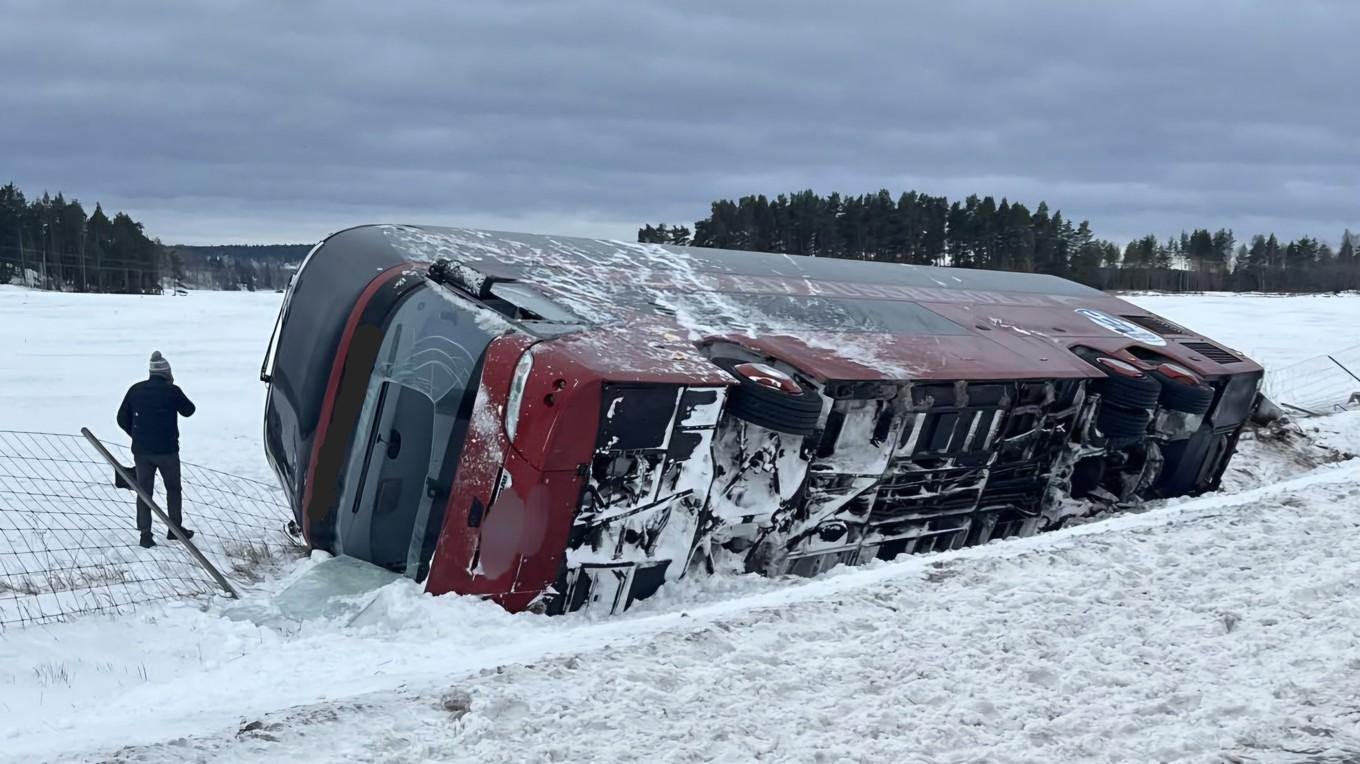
point(51, 243)
point(979, 232)
point(237, 267)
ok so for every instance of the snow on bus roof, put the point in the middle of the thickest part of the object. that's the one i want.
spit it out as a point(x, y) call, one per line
point(712, 289)
point(725, 270)
point(840, 309)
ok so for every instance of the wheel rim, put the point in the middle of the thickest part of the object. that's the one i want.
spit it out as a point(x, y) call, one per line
point(769, 377)
point(1179, 373)
point(1122, 368)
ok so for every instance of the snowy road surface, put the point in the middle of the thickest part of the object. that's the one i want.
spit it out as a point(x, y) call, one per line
point(1219, 626)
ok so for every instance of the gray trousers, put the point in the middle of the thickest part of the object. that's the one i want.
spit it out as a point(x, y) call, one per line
point(168, 466)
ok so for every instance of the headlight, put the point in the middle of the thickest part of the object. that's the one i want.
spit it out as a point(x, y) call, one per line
point(517, 384)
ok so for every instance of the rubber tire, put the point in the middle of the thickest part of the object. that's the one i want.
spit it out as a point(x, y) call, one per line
point(772, 409)
point(1140, 392)
point(1179, 395)
point(1123, 424)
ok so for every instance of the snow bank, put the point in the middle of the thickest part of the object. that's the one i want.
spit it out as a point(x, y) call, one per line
point(1179, 633)
point(1223, 625)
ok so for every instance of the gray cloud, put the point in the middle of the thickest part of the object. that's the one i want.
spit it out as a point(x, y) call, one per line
point(217, 121)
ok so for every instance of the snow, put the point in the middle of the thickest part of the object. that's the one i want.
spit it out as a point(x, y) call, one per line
point(1152, 636)
point(1202, 629)
point(869, 351)
point(1273, 330)
point(1287, 334)
point(68, 359)
point(577, 273)
point(484, 428)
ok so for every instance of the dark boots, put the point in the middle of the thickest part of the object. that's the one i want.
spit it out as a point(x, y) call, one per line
point(147, 541)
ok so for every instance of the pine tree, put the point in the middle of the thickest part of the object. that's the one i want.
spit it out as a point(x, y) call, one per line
point(1327, 279)
point(1221, 257)
point(177, 272)
point(13, 208)
point(1274, 263)
point(1200, 252)
point(1348, 277)
point(1087, 256)
point(98, 245)
point(1258, 262)
point(961, 239)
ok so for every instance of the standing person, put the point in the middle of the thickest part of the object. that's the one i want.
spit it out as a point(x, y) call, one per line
point(150, 414)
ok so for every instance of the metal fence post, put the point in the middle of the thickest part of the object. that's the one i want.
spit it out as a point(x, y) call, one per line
point(1343, 368)
point(178, 532)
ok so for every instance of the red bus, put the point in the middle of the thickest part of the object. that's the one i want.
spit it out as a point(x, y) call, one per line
point(559, 423)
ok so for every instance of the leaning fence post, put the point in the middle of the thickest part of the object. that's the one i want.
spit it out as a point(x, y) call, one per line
point(1298, 408)
point(131, 480)
point(1343, 368)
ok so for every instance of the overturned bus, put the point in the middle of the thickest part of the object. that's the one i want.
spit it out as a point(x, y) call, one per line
point(558, 423)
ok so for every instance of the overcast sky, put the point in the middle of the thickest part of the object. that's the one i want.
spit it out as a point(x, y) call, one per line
point(218, 122)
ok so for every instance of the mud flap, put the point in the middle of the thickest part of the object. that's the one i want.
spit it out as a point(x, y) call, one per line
point(1188, 460)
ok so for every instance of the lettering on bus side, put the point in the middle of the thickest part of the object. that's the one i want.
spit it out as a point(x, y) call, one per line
point(771, 285)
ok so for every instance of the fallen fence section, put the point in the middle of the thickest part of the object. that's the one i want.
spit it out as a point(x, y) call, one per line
point(1318, 386)
point(125, 476)
point(68, 536)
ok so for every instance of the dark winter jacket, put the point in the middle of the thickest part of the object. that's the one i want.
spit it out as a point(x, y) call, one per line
point(150, 414)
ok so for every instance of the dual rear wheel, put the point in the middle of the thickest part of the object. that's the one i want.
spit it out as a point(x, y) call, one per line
point(1130, 394)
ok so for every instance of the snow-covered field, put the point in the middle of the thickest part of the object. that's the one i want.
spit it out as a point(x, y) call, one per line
point(1274, 330)
point(1223, 627)
point(68, 358)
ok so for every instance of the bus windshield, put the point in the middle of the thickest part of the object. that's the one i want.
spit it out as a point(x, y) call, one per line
point(412, 426)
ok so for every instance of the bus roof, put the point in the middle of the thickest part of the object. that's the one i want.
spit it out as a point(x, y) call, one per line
point(843, 319)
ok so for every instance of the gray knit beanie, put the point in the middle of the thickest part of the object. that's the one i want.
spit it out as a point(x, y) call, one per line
point(159, 366)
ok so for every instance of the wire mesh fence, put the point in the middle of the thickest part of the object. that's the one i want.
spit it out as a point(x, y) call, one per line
point(1322, 385)
point(69, 542)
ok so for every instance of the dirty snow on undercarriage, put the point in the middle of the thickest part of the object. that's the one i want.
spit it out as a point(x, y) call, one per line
point(680, 485)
